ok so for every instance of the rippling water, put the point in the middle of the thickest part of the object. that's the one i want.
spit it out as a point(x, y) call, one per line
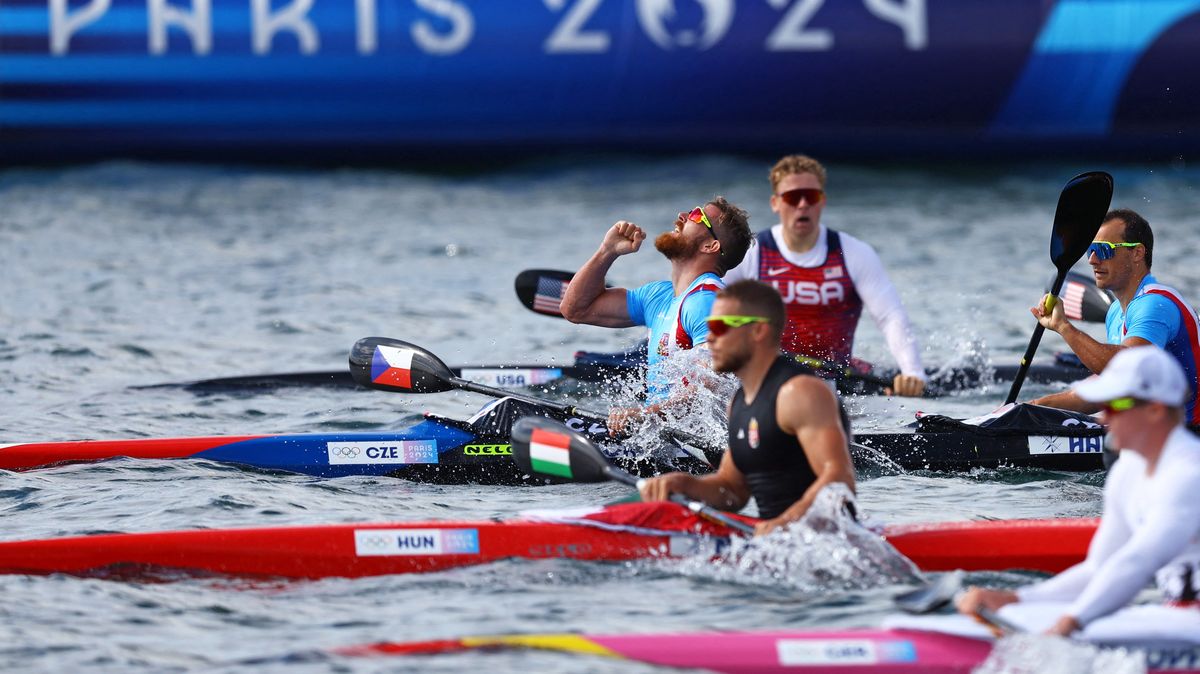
point(127, 274)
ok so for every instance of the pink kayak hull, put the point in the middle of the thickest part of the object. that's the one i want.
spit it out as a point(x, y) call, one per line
point(840, 652)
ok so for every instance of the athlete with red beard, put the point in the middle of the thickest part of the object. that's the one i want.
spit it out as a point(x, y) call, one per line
point(705, 242)
point(826, 278)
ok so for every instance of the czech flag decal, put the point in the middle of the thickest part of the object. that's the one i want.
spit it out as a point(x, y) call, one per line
point(392, 366)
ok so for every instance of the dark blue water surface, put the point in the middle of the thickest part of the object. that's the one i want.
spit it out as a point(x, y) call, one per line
point(120, 275)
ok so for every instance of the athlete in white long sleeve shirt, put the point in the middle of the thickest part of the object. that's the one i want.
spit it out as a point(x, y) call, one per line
point(826, 278)
point(871, 281)
point(1150, 528)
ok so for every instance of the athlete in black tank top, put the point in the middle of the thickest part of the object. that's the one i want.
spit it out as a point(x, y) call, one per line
point(788, 435)
point(772, 461)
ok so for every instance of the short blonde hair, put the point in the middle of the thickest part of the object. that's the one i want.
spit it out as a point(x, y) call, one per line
point(794, 164)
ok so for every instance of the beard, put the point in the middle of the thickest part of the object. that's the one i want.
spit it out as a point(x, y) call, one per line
point(731, 361)
point(674, 247)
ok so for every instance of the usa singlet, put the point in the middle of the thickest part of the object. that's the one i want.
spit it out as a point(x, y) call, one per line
point(822, 304)
point(773, 462)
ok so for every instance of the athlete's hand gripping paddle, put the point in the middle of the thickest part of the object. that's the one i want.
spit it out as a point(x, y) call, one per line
point(1081, 209)
point(548, 449)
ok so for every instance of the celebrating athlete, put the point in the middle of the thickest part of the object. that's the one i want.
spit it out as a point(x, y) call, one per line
point(704, 243)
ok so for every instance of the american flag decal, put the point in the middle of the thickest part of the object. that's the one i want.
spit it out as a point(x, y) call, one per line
point(1072, 299)
point(549, 295)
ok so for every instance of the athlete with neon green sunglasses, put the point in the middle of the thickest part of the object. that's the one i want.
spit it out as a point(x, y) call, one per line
point(788, 435)
point(1146, 312)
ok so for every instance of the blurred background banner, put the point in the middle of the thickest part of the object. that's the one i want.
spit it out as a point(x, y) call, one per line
point(377, 80)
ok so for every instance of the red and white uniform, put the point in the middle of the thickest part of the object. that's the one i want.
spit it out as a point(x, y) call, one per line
point(824, 291)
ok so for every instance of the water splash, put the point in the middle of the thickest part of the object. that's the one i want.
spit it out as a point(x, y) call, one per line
point(824, 551)
point(697, 405)
point(1028, 653)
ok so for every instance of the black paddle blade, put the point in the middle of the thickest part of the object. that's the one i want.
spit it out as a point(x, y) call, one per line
point(550, 450)
point(1082, 206)
point(389, 364)
point(1081, 209)
point(1082, 300)
point(931, 597)
point(542, 290)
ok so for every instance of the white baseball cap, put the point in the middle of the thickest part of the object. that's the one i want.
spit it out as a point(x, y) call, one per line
point(1142, 372)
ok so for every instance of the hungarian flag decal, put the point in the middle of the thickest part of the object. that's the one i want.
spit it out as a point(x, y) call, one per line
point(392, 366)
point(549, 452)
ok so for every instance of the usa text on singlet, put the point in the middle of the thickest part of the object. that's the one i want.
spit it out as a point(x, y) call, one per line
point(822, 304)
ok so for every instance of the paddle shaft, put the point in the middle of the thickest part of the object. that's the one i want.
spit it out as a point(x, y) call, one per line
point(1034, 341)
point(564, 408)
point(841, 371)
point(992, 618)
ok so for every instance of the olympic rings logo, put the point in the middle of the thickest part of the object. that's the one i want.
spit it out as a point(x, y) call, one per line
point(374, 542)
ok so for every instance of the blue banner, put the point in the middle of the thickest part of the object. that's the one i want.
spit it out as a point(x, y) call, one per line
point(871, 78)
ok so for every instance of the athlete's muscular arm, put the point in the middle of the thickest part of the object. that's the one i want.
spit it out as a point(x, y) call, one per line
point(586, 299)
point(1067, 400)
point(806, 408)
point(1093, 354)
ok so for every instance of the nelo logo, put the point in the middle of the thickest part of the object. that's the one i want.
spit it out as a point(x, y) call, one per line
point(487, 450)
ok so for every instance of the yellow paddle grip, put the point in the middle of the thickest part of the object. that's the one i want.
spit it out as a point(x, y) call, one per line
point(1048, 303)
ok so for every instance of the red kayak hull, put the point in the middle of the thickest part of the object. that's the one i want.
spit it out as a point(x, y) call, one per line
point(356, 550)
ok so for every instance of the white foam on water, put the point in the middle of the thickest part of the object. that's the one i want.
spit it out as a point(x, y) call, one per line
point(699, 408)
point(825, 551)
point(1029, 653)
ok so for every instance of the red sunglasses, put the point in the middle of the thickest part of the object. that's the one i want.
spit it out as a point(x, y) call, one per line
point(812, 195)
point(699, 217)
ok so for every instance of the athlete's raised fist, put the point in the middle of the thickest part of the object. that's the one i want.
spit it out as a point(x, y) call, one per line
point(623, 238)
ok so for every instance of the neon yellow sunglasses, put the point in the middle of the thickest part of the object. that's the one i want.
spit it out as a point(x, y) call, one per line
point(1104, 250)
point(1121, 405)
point(719, 325)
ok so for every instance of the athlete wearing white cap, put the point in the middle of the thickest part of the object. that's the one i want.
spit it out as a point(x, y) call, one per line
point(1151, 522)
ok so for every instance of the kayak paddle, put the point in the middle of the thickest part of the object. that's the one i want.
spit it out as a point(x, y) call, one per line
point(1081, 208)
point(387, 364)
point(931, 597)
point(838, 372)
point(542, 290)
point(549, 449)
point(939, 593)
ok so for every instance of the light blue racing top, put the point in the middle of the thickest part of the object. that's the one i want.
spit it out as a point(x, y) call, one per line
point(1159, 315)
point(675, 322)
